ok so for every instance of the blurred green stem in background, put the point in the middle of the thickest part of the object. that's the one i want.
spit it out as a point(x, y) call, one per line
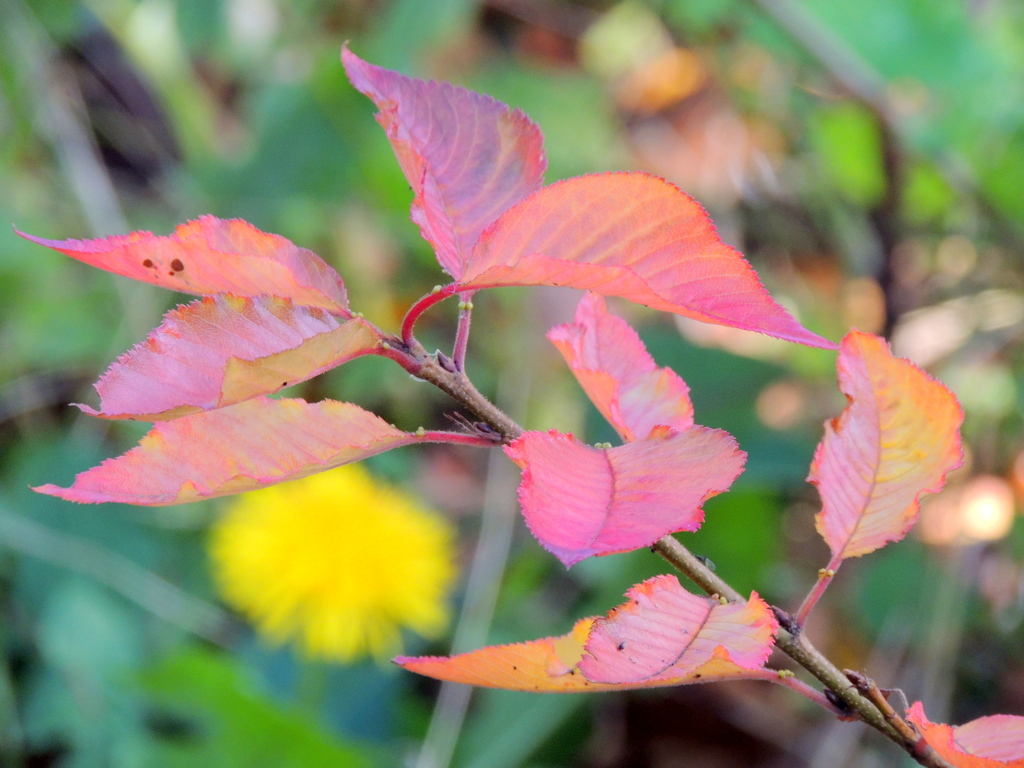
point(11, 736)
point(142, 587)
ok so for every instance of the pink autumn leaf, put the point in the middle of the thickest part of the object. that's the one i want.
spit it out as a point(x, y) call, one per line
point(467, 157)
point(580, 501)
point(631, 235)
point(988, 742)
point(665, 632)
point(211, 255)
point(617, 373)
point(739, 638)
point(246, 446)
point(224, 349)
point(897, 439)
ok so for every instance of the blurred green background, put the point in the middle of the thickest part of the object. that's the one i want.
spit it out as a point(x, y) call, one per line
point(867, 157)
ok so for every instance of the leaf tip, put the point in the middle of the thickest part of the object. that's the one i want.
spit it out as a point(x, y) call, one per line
point(349, 59)
point(54, 490)
point(35, 239)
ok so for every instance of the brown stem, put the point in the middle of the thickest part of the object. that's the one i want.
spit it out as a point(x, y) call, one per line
point(869, 689)
point(415, 359)
point(687, 562)
point(796, 645)
point(923, 753)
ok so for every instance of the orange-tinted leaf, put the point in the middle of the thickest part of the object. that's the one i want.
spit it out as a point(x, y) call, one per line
point(223, 349)
point(631, 235)
point(548, 665)
point(664, 632)
point(211, 255)
point(467, 157)
point(894, 442)
point(580, 501)
point(620, 377)
point(988, 742)
point(240, 448)
point(554, 664)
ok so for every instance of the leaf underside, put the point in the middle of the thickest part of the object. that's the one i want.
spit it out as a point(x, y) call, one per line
point(224, 349)
point(896, 440)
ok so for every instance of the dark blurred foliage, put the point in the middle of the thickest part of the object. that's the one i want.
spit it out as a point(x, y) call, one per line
point(866, 156)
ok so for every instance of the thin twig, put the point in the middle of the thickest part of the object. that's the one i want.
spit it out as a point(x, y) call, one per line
point(437, 295)
point(825, 576)
point(886, 657)
point(795, 646)
point(414, 358)
point(462, 335)
point(869, 689)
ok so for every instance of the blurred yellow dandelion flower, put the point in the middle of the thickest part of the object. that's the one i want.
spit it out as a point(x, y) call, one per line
point(338, 561)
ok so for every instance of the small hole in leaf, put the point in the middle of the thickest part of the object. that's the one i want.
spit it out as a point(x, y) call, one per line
point(177, 266)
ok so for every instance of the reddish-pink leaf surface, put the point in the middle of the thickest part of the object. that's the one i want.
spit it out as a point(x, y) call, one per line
point(246, 446)
point(988, 742)
point(223, 349)
point(580, 501)
point(617, 373)
point(467, 157)
point(665, 632)
point(556, 664)
point(631, 235)
point(211, 255)
point(896, 440)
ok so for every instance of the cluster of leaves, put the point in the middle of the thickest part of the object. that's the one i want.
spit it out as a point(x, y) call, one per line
point(274, 314)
